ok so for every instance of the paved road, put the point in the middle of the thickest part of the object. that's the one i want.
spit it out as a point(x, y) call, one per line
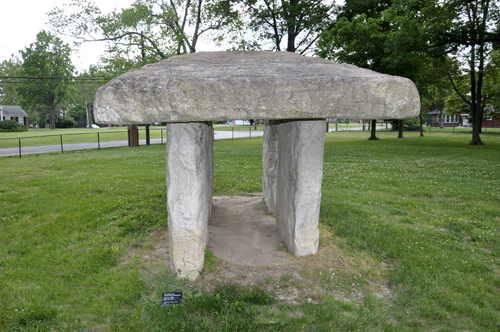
point(219, 134)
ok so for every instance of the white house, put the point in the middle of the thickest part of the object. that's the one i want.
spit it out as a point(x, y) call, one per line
point(16, 113)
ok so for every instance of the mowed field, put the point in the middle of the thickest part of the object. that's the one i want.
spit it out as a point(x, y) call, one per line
point(39, 137)
point(414, 223)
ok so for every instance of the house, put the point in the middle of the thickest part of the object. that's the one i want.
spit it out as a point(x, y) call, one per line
point(461, 120)
point(493, 121)
point(16, 113)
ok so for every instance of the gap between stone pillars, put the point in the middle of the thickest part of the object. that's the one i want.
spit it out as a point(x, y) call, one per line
point(298, 189)
point(270, 164)
point(190, 168)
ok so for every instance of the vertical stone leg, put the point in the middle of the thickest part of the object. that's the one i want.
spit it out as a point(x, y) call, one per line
point(210, 171)
point(189, 194)
point(300, 172)
point(270, 164)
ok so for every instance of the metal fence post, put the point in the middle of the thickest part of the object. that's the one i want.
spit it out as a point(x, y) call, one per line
point(161, 134)
point(62, 149)
point(250, 132)
point(98, 142)
point(232, 133)
point(19, 147)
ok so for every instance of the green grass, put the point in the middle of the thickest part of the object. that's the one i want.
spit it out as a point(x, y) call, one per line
point(76, 230)
point(39, 137)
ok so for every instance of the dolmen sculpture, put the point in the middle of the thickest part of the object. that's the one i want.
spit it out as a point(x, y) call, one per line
point(292, 93)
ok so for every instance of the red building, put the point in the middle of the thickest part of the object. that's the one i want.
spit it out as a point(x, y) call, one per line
point(461, 120)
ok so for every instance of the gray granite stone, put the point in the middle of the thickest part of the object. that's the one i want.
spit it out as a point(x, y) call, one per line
point(252, 85)
point(270, 164)
point(298, 194)
point(189, 194)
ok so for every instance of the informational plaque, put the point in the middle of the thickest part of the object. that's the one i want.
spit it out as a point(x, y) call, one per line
point(171, 298)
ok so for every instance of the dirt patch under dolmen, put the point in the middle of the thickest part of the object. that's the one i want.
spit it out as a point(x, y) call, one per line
point(245, 248)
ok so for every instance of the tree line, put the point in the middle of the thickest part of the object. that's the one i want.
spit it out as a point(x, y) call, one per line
point(449, 48)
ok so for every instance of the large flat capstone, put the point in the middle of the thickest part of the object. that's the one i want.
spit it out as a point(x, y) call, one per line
point(252, 85)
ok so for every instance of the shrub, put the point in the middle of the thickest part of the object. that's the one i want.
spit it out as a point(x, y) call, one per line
point(409, 125)
point(9, 124)
point(65, 122)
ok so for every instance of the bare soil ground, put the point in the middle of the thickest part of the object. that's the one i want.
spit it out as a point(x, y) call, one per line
point(246, 249)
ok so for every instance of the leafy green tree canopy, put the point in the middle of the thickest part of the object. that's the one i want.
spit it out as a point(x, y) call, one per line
point(148, 30)
point(47, 58)
point(291, 25)
point(424, 40)
point(8, 92)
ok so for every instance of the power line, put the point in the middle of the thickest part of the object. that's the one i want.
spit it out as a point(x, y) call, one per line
point(69, 80)
point(59, 77)
point(51, 82)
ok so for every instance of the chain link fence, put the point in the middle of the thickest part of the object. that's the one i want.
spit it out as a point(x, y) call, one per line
point(76, 141)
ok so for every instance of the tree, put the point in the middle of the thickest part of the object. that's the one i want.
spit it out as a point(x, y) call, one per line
point(387, 36)
point(83, 101)
point(373, 136)
point(292, 25)
point(490, 91)
point(429, 38)
point(474, 30)
point(492, 81)
point(47, 58)
point(147, 31)
point(8, 92)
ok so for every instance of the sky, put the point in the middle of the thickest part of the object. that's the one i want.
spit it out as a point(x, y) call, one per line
point(23, 19)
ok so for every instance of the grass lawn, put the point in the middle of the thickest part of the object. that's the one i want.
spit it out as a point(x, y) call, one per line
point(39, 137)
point(76, 231)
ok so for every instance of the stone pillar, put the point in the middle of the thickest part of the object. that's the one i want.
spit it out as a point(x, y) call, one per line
point(270, 164)
point(298, 194)
point(189, 194)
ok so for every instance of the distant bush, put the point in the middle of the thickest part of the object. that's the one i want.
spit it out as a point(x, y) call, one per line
point(9, 124)
point(65, 122)
point(409, 125)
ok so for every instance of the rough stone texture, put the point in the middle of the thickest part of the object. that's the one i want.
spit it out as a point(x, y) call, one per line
point(298, 195)
point(252, 85)
point(189, 194)
point(270, 164)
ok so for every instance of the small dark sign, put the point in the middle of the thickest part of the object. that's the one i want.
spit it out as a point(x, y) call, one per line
point(171, 298)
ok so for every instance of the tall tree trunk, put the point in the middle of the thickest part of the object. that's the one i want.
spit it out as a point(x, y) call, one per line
point(374, 130)
point(52, 118)
point(421, 126)
point(291, 24)
point(87, 110)
point(476, 127)
point(401, 124)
